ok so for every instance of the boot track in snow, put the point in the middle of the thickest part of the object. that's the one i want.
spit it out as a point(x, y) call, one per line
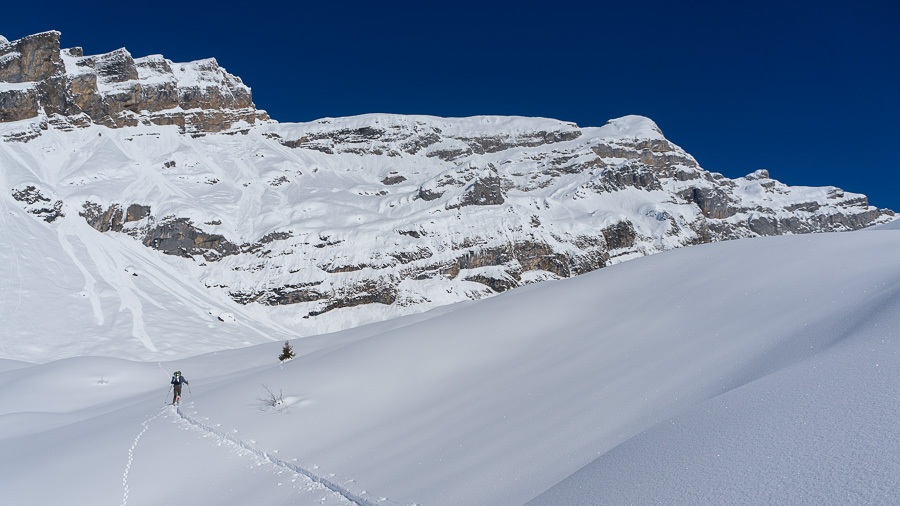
point(334, 487)
point(146, 425)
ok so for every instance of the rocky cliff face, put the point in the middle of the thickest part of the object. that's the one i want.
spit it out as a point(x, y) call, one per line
point(68, 89)
point(344, 221)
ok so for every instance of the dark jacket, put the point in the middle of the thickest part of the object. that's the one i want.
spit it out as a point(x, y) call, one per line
point(178, 380)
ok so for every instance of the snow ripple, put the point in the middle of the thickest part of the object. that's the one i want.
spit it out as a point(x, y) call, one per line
point(334, 487)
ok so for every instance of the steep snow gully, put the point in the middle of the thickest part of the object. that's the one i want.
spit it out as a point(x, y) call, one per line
point(355, 498)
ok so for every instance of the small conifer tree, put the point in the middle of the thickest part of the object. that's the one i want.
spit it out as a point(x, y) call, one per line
point(286, 352)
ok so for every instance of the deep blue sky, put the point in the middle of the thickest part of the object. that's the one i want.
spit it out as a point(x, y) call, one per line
point(807, 90)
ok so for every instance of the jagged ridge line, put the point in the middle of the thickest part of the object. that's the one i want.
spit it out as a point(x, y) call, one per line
point(334, 487)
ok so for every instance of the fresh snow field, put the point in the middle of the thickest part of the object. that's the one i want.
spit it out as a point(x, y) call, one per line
point(761, 371)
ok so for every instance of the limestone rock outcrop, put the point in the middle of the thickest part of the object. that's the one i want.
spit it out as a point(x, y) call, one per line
point(35, 202)
point(70, 90)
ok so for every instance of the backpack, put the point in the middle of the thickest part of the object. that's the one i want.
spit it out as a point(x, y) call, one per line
point(176, 379)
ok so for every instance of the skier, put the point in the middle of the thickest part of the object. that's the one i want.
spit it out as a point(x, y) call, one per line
point(177, 380)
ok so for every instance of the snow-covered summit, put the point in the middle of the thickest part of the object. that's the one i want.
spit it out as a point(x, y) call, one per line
point(509, 125)
point(631, 126)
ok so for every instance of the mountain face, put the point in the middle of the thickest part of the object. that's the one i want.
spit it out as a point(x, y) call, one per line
point(115, 90)
point(344, 221)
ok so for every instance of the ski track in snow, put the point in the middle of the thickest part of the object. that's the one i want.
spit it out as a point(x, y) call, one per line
point(330, 485)
point(146, 425)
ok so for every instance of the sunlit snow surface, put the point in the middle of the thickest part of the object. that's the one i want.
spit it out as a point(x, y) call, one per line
point(759, 371)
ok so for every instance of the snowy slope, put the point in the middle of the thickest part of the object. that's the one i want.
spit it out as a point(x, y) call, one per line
point(70, 291)
point(891, 225)
point(818, 431)
point(758, 371)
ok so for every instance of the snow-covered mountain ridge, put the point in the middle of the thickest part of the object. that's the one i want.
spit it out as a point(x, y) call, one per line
point(343, 221)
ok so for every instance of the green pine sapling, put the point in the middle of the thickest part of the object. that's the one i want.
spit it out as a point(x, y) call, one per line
point(287, 352)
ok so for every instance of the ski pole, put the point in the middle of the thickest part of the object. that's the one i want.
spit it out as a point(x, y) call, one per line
point(189, 391)
point(167, 395)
